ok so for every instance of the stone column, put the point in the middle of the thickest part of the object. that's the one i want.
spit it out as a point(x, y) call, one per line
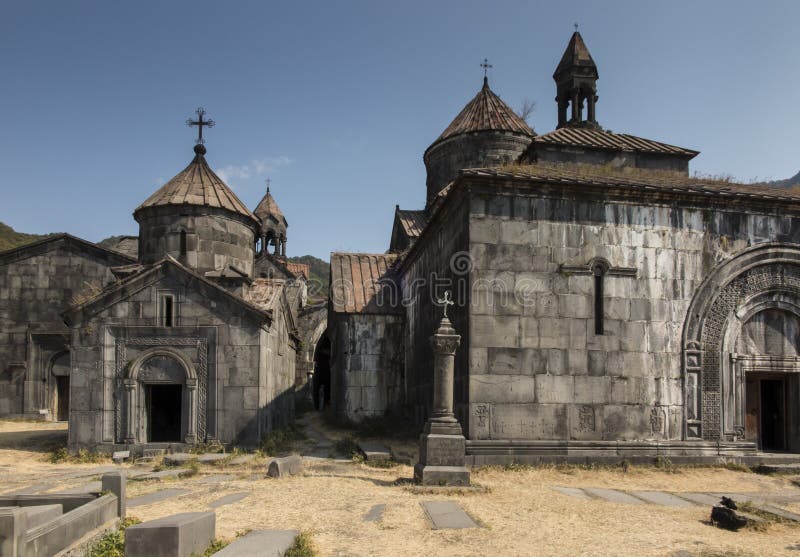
point(442, 445)
point(591, 99)
point(191, 411)
point(577, 105)
point(130, 411)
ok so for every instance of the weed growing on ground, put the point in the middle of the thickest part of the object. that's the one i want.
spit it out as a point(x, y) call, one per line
point(303, 546)
point(348, 446)
point(61, 455)
point(112, 544)
point(280, 442)
point(216, 545)
point(205, 448)
point(192, 468)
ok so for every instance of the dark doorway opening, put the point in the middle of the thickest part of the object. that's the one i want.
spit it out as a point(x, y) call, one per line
point(164, 413)
point(62, 398)
point(322, 373)
point(772, 415)
point(765, 413)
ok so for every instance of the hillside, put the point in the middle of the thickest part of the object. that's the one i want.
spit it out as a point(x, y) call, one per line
point(320, 274)
point(10, 238)
point(787, 183)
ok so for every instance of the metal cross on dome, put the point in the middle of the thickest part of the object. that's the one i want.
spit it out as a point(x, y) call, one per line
point(200, 123)
point(486, 65)
point(446, 301)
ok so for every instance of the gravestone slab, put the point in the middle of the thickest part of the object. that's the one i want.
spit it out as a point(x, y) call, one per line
point(120, 456)
point(701, 499)
point(212, 458)
point(178, 459)
point(661, 498)
point(284, 466)
point(172, 473)
point(375, 451)
point(572, 492)
point(228, 499)
point(216, 479)
point(612, 496)
point(375, 513)
point(179, 535)
point(155, 497)
point(447, 515)
point(260, 543)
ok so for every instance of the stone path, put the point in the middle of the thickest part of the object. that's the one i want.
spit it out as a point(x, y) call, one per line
point(375, 513)
point(447, 515)
point(156, 496)
point(228, 499)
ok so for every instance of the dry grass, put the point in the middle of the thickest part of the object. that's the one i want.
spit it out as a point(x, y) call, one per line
point(520, 512)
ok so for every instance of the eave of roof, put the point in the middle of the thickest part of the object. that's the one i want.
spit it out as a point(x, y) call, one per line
point(609, 141)
point(29, 250)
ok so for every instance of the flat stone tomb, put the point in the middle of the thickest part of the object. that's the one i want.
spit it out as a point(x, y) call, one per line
point(447, 515)
point(228, 499)
point(375, 513)
point(260, 542)
point(156, 496)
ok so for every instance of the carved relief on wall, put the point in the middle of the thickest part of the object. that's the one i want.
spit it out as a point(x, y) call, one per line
point(586, 420)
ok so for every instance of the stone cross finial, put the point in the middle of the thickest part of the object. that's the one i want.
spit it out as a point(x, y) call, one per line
point(268, 182)
point(446, 301)
point(486, 65)
point(200, 123)
point(576, 26)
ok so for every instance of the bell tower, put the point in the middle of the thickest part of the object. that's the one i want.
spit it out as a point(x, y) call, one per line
point(576, 86)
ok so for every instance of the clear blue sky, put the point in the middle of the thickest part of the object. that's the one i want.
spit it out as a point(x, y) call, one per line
point(337, 101)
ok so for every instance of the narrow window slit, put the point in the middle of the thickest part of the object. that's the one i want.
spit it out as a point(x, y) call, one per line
point(598, 273)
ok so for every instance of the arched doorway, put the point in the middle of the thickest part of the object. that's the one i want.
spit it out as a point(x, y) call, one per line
point(59, 372)
point(322, 373)
point(161, 399)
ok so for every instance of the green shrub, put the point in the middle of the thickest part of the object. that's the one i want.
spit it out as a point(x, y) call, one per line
point(112, 544)
point(281, 441)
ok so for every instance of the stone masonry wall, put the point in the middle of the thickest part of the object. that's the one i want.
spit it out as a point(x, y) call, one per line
point(537, 368)
point(35, 287)
point(248, 370)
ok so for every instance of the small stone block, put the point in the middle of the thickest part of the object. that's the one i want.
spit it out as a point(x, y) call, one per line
point(115, 483)
point(447, 515)
point(779, 512)
point(661, 498)
point(375, 451)
point(612, 495)
point(178, 535)
point(228, 499)
point(260, 542)
point(120, 456)
point(441, 475)
point(375, 513)
point(284, 466)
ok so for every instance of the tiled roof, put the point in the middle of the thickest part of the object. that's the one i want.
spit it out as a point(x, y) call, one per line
point(600, 139)
point(643, 180)
point(363, 283)
point(413, 222)
point(299, 269)
point(265, 293)
point(576, 54)
point(485, 112)
point(269, 207)
point(197, 185)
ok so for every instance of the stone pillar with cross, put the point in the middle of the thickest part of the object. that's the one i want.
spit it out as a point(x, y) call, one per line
point(442, 447)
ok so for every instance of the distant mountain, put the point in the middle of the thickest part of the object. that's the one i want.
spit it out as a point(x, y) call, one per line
point(10, 238)
point(787, 183)
point(320, 274)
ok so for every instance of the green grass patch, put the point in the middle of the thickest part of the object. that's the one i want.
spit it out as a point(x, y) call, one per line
point(280, 442)
point(61, 455)
point(112, 544)
point(216, 545)
point(303, 546)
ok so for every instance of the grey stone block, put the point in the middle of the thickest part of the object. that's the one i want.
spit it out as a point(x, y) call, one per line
point(260, 543)
point(375, 451)
point(284, 466)
point(13, 525)
point(39, 514)
point(228, 499)
point(572, 492)
point(375, 513)
point(447, 515)
point(178, 535)
point(114, 482)
point(661, 498)
point(612, 496)
point(155, 497)
point(120, 456)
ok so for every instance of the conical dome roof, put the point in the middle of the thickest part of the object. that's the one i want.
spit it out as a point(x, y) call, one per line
point(484, 113)
point(576, 55)
point(268, 207)
point(197, 185)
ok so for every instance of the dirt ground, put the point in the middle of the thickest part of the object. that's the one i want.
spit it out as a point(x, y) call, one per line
point(519, 512)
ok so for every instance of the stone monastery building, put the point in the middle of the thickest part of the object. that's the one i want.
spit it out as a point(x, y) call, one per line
point(195, 335)
point(609, 304)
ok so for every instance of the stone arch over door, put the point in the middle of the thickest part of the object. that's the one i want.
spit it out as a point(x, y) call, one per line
point(160, 366)
point(761, 278)
point(59, 372)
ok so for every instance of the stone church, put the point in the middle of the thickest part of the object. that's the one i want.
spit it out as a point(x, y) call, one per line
point(610, 304)
point(197, 331)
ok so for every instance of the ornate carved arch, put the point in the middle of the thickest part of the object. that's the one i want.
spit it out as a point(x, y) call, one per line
point(136, 365)
point(761, 277)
